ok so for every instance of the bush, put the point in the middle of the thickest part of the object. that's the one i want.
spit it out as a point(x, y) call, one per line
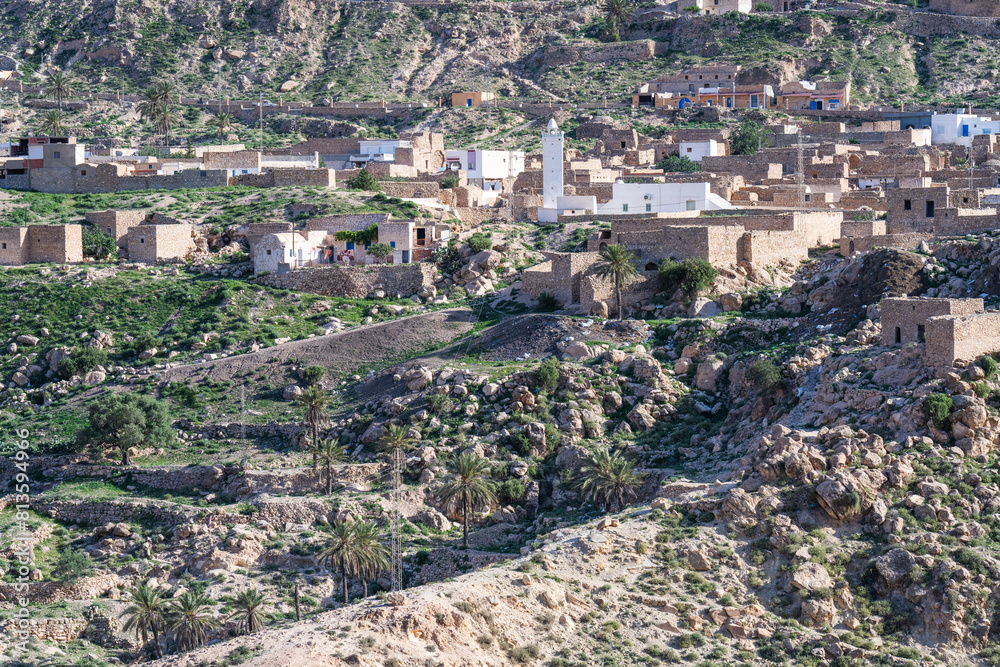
point(312, 374)
point(364, 181)
point(82, 361)
point(678, 163)
point(547, 303)
point(749, 138)
point(989, 365)
point(524, 654)
point(98, 244)
point(73, 564)
point(438, 403)
point(692, 275)
point(693, 640)
point(547, 375)
point(970, 560)
point(479, 242)
point(448, 182)
point(511, 491)
point(763, 374)
point(937, 408)
point(982, 389)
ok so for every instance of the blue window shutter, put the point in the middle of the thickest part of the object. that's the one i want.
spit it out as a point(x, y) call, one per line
point(392, 244)
point(350, 245)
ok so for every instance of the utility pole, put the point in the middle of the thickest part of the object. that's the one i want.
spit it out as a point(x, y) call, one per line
point(261, 106)
point(801, 179)
point(397, 510)
point(243, 425)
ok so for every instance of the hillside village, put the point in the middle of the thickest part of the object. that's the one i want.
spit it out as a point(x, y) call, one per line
point(299, 367)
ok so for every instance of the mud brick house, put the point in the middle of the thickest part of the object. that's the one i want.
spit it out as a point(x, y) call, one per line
point(41, 243)
point(817, 95)
point(156, 244)
point(950, 329)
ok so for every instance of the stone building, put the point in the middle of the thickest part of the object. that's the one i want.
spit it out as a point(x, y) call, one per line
point(989, 8)
point(116, 223)
point(41, 243)
point(279, 253)
point(155, 244)
point(904, 319)
point(936, 210)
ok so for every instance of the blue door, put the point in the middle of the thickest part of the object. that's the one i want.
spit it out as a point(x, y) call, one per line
point(965, 130)
point(684, 103)
point(812, 104)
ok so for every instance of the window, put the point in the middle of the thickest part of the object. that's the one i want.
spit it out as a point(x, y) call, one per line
point(83, 172)
point(4, 246)
point(56, 155)
point(142, 240)
point(624, 208)
point(268, 252)
point(899, 336)
point(649, 208)
point(929, 209)
point(907, 205)
point(392, 244)
point(689, 149)
point(623, 144)
point(920, 333)
point(350, 245)
point(754, 102)
point(691, 205)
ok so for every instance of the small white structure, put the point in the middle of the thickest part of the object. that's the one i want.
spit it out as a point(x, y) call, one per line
point(631, 198)
point(696, 150)
point(379, 150)
point(278, 253)
point(487, 169)
point(960, 128)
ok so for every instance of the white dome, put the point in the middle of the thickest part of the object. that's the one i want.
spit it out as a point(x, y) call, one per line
point(552, 127)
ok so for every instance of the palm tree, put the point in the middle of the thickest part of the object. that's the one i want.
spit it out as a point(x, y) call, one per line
point(190, 620)
point(342, 552)
point(223, 123)
point(395, 437)
point(616, 14)
point(468, 488)
point(249, 611)
point(316, 401)
point(615, 264)
point(53, 123)
point(329, 452)
point(146, 615)
point(373, 557)
point(157, 107)
point(166, 119)
point(59, 86)
point(609, 479)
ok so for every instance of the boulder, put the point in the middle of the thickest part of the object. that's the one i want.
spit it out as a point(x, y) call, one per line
point(895, 565)
point(434, 519)
point(291, 392)
point(811, 577)
point(600, 309)
point(640, 418)
point(708, 373)
point(95, 377)
point(418, 378)
point(818, 612)
point(699, 560)
point(577, 351)
point(27, 340)
point(703, 307)
point(731, 301)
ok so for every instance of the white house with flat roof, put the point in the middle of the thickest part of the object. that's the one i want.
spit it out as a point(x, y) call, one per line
point(487, 169)
point(960, 128)
point(696, 150)
point(629, 198)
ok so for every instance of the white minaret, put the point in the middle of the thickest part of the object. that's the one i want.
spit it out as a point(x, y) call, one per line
point(552, 165)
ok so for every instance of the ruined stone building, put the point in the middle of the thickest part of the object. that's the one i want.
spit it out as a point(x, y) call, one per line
point(157, 244)
point(950, 329)
point(41, 243)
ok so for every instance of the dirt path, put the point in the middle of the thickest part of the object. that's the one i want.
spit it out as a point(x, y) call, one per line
point(346, 351)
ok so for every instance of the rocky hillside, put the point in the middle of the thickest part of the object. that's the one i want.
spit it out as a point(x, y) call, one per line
point(376, 50)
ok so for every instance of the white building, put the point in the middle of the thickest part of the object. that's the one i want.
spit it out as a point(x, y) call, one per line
point(960, 128)
point(487, 169)
point(696, 150)
point(278, 253)
point(661, 198)
point(627, 198)
point(379, 150)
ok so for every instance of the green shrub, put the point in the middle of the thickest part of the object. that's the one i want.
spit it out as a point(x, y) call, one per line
point(82, 361)
point(763, 374)
point(99, 244)
point(691, 275)
point(479, 242)
point(449, 182)
point(364, 181)
point(982, 389)
point(989, 365)
point(547, 375)
point(438, 403)
point(511, 491)
point(312, 374)
point(678, 163)
point(73, 564)
point(970, 560)
point(547, 303)
point(692, 640)
point(937, 408)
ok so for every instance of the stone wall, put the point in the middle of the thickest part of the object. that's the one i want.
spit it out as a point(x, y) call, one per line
point(967, 7)
point(767, 248)
point(411, 189)
point(852, 245)
point(151, 244)
point(355, 282)
point(116, 223)
point(346, 222)
point(966, 337)
point(55, 243)
point(60, 630)
point(594, 290)
point(48, 592)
